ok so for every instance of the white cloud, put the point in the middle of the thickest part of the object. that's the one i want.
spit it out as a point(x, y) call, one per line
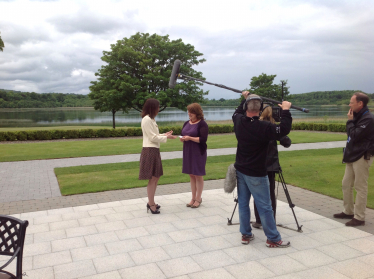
point(315, 44)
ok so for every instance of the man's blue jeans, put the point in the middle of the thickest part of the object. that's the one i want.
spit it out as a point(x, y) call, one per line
point(259, 188)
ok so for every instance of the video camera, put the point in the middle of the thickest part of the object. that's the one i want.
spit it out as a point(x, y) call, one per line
point(276, 111)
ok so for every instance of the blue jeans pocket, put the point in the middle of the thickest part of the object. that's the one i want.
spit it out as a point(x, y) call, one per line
point(256, 181)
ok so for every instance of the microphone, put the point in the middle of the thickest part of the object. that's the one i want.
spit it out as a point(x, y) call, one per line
point(174, 74)
point(230, 180)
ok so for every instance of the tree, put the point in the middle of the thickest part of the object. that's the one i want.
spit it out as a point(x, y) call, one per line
point(1, 44)
point(263, 86)
point(139, 67)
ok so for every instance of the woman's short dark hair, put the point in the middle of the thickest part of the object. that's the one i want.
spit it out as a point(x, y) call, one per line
point(151, 108)
point(195, 108)
point(361, 97)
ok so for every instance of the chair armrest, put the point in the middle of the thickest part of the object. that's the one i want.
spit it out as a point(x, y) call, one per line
point(11, 259)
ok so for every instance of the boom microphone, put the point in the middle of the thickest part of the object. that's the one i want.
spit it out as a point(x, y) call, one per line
point(174, 73)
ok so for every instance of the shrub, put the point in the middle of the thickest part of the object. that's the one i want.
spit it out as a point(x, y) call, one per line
point(31, 135)
point(302, 126)
point(119, 133)
point(87, 133)
point(21, 135)
point(296, 126)
point(131, 132)
point(218, 129)
point(57, 134)
point(43, 135)
point(176, 130)
point(213, 129)
point(138, 132)
point(72, 134)
point(320, 127)
point(103, 133)
point(2, 136)
point(227, 129)
point(164, 129)
point(337, 128)
point(10, 136)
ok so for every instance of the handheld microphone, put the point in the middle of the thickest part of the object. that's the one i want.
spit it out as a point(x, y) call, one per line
point(174, 73)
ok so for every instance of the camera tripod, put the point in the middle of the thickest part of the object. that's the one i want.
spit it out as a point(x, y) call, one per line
point(291, 205)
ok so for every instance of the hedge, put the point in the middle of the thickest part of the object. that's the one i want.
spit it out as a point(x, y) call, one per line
point(106, 133)
point(319, 127)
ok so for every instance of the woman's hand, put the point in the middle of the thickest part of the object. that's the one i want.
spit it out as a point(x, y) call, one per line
point(168, 133)
point(186, 138)
point(170, 136)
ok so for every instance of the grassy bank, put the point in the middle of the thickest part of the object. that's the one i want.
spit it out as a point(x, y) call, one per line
point(319, 171)
point(88, 148)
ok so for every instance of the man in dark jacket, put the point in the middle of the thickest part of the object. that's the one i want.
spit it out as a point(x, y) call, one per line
point(358, 156)
point(253, 138)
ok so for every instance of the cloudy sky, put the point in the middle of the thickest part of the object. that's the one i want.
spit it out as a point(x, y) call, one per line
point(317, 45)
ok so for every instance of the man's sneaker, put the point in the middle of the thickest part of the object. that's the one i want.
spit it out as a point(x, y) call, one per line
point(278, 244)
point(247, 238)
point(342, 215)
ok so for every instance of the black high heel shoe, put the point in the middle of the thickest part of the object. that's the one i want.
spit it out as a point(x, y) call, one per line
point(157, 206)
point(153, 212)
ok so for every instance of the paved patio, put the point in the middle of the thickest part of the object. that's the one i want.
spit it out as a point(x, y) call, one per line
point(110, 235)
point(120, 240)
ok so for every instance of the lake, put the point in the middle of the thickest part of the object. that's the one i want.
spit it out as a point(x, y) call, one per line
point(88, 116)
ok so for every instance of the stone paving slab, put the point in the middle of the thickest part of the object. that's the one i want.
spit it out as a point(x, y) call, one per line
point(36, 180)
point(122, 240)
point(305, 199)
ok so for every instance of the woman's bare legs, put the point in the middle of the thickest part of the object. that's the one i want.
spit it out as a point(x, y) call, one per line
point(197, 185)
point(193, 189)
point(151, 191)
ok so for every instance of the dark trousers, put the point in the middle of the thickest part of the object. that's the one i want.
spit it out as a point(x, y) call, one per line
point(271, 176)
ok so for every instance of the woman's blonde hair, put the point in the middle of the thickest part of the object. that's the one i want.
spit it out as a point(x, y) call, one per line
point(267, 114)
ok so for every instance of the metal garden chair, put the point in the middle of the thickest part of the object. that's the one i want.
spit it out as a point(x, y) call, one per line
point(12, 239)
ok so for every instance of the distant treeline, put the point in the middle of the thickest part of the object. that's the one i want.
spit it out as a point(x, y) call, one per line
point(221, 102)
point(17, 99)
point(336, 97)
point(326, 97)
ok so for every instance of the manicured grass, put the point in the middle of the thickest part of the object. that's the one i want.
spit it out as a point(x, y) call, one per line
point(319, 171)
point(14, 129)
point(87, 148)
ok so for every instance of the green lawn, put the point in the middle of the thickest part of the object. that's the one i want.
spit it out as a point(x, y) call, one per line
point(320, 171)
point(42, 128)
point(87, 148)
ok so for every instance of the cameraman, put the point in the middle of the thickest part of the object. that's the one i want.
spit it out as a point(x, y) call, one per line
point(253, 138)
point(272, 163)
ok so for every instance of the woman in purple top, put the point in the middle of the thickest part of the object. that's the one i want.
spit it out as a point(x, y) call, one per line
point(194, 136)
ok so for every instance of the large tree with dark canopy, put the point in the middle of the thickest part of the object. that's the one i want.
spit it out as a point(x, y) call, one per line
point(263, 86)
point(1, 44)
point(139, 67)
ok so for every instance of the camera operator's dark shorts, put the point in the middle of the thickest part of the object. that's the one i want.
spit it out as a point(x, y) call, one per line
point(150, 163)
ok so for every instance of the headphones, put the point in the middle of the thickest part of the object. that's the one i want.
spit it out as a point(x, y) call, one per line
point(250, 98)
point(267, 106)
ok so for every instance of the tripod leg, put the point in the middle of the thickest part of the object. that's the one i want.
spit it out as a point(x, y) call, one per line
point(284, 185)
point(229, 221)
